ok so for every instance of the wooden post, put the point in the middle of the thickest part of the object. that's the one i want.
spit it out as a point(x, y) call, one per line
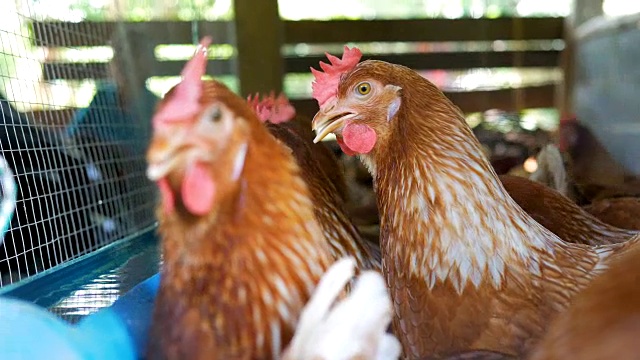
point(582, 11)
point(259, 39)
point(564, 93)
point(131, 72)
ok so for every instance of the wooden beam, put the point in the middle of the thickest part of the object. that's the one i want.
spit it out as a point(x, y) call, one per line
point(60, 117)
point(445, 61)
point(80, 71)
point(442, 61)
point(565, 91)
point(258, 34)
point(504, 99)
point(89, 33)
point(341, 31)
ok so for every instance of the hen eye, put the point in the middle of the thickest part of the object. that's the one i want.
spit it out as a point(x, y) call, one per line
point(363, 88)
point(215, 114)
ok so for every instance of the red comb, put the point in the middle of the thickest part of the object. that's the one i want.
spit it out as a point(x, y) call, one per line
point(261, 108)
point(185, 99)
point(325, 85)
point(282, 111)
point(272, 109)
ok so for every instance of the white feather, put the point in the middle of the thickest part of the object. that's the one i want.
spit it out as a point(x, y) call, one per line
point(238, 163)
point(355, 326)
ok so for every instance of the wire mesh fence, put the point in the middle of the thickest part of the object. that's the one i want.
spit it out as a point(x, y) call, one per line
point(78, 82)
point(79, 168)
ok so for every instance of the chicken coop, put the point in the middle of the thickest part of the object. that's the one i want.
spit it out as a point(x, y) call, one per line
point(79, 82)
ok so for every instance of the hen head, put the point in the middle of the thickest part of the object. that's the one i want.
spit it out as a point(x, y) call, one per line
point(198, 148)
point(367, 100)
point(355, 103)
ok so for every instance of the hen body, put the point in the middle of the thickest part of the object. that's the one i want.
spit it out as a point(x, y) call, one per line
point(615, 205)
point(466, 266)
point(234, 279)
point(602, 322)
point(591, 164)
point(561, 215)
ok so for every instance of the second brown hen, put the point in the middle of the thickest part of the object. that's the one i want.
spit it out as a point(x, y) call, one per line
point(278, 110)
point(620, 212)
point(242, 249)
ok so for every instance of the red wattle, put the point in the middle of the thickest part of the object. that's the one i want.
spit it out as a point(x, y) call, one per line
point(198, 190)
point(359, 138)
point(344, 147)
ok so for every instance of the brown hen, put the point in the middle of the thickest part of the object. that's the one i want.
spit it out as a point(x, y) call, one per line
point(590, 161)
point(466, 266)
point(241, 247)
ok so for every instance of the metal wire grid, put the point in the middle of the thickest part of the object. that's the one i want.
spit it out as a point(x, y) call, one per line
point(77, 190)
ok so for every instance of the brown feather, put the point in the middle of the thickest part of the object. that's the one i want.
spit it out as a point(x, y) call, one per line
point(324, 157)
point(604, 320)
point(620, 212)
point(592, 192)
point(596, 224)
point(478, 355)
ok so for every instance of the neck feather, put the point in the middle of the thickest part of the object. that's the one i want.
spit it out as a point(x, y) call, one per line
point(445, 198)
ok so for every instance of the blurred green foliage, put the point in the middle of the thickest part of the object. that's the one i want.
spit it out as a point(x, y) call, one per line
point(186, 10)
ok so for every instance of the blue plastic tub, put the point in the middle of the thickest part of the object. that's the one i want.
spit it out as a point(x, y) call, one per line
point(30, 328)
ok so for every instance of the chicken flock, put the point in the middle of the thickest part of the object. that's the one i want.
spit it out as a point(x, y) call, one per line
point(263, 260)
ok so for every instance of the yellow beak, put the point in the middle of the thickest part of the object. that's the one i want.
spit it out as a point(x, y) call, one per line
point(325, 123)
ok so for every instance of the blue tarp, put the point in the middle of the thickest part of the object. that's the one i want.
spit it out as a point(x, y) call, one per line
point(28, 331)
point(108, 120)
